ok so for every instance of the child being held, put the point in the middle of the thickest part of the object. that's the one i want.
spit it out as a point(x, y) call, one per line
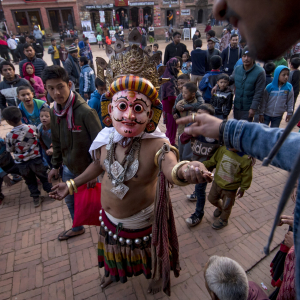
point(188, 104)
point(45, 134)
point(294, 78)
point(203, 149)
point(186, 63)
point(30, 107)
point(222, 99)
point(278, 98)
point(233, 176)
point(97, 96)
point(23, 142)
point(181, 81)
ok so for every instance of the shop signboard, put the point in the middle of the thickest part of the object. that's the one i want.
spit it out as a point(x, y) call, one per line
point(99, 6)
point(156, 16)
point(140, 3)
point(185, 12)
point(121, 3)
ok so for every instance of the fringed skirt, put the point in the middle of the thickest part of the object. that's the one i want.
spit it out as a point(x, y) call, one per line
point(124, 253)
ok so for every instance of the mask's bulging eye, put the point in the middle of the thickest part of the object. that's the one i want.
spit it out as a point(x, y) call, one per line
point(138, 108)
point(122, 106)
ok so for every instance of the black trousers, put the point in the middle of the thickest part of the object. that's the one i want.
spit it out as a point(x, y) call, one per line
point(32, 169)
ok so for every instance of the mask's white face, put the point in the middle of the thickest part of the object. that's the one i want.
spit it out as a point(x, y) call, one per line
point(130, 112)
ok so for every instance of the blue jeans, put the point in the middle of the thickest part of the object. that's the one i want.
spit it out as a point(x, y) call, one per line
point(67, 175)
point(257, 140)
point(200, 189)
point(275, 121)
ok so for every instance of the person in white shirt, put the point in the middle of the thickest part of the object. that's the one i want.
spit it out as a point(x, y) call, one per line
point(12, 45)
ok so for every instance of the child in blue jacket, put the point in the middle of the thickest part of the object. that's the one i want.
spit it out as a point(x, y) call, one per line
point(97, 96)
point(87, 79)
point(210, 78)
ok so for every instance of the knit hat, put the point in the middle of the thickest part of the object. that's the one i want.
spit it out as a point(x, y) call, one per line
point(245, 51)
point(72, 49)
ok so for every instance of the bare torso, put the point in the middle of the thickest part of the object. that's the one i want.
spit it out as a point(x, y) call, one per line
point(142, 187)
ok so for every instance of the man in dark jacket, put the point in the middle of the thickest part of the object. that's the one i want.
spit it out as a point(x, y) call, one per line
point(72, 67)
point(211, 51)
point(199, 62)
point(175, 48)
point(72, 135)
point(38, 63)
point(20, 47)
point(9, 85)
point(231, 55)
point(250, 82)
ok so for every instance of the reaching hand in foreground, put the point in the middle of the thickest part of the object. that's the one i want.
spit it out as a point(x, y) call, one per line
point(289, 220)
point(205, 125)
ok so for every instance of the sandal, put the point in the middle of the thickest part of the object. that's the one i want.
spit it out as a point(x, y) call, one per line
point(63, 237)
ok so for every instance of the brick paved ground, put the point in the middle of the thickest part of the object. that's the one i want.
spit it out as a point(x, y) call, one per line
point(35, 265)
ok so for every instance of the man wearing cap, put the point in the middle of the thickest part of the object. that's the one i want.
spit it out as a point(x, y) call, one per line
point(211, 51)
point(72, 67)
point(38, 35)
point(250, 82)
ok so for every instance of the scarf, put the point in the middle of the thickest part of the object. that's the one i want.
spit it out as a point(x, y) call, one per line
point(74, 62)
point(168, 89)
point(67, 110)
point(25, 74)
point(104, 136)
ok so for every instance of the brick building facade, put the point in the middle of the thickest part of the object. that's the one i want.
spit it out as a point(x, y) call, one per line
point(132, 13)
point(53, 15)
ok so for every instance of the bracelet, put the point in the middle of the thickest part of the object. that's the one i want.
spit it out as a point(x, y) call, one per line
point(158, 153)
point(70, 187)
point(221, 132)
point(175, 178)
point(74, 186)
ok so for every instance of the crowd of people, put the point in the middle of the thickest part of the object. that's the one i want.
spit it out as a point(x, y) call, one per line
point(221, 79)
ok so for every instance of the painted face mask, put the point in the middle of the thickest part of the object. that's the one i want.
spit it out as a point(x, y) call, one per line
point(130, 112)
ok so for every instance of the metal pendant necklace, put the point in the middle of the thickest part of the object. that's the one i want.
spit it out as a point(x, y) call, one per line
point(124, 171)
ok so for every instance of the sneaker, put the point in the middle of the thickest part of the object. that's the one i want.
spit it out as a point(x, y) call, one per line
point(16, 179)
point(37, 201)
point(219, 224)
point(191, 197)
point(217, 213)
point(193, 220)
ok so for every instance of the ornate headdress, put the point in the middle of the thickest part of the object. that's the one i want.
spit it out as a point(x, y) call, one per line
point(131, 68)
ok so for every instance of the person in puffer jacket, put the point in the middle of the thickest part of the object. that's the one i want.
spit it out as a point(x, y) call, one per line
point(278, 98)
point(9, 85)
point(87, 79)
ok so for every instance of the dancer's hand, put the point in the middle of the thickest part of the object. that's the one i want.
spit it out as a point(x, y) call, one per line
point(91, 184)
point(59, 191)
point(195, 172)
point(205, 125)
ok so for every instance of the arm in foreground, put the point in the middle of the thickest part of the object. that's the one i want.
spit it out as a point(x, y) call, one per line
point(253, 139)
